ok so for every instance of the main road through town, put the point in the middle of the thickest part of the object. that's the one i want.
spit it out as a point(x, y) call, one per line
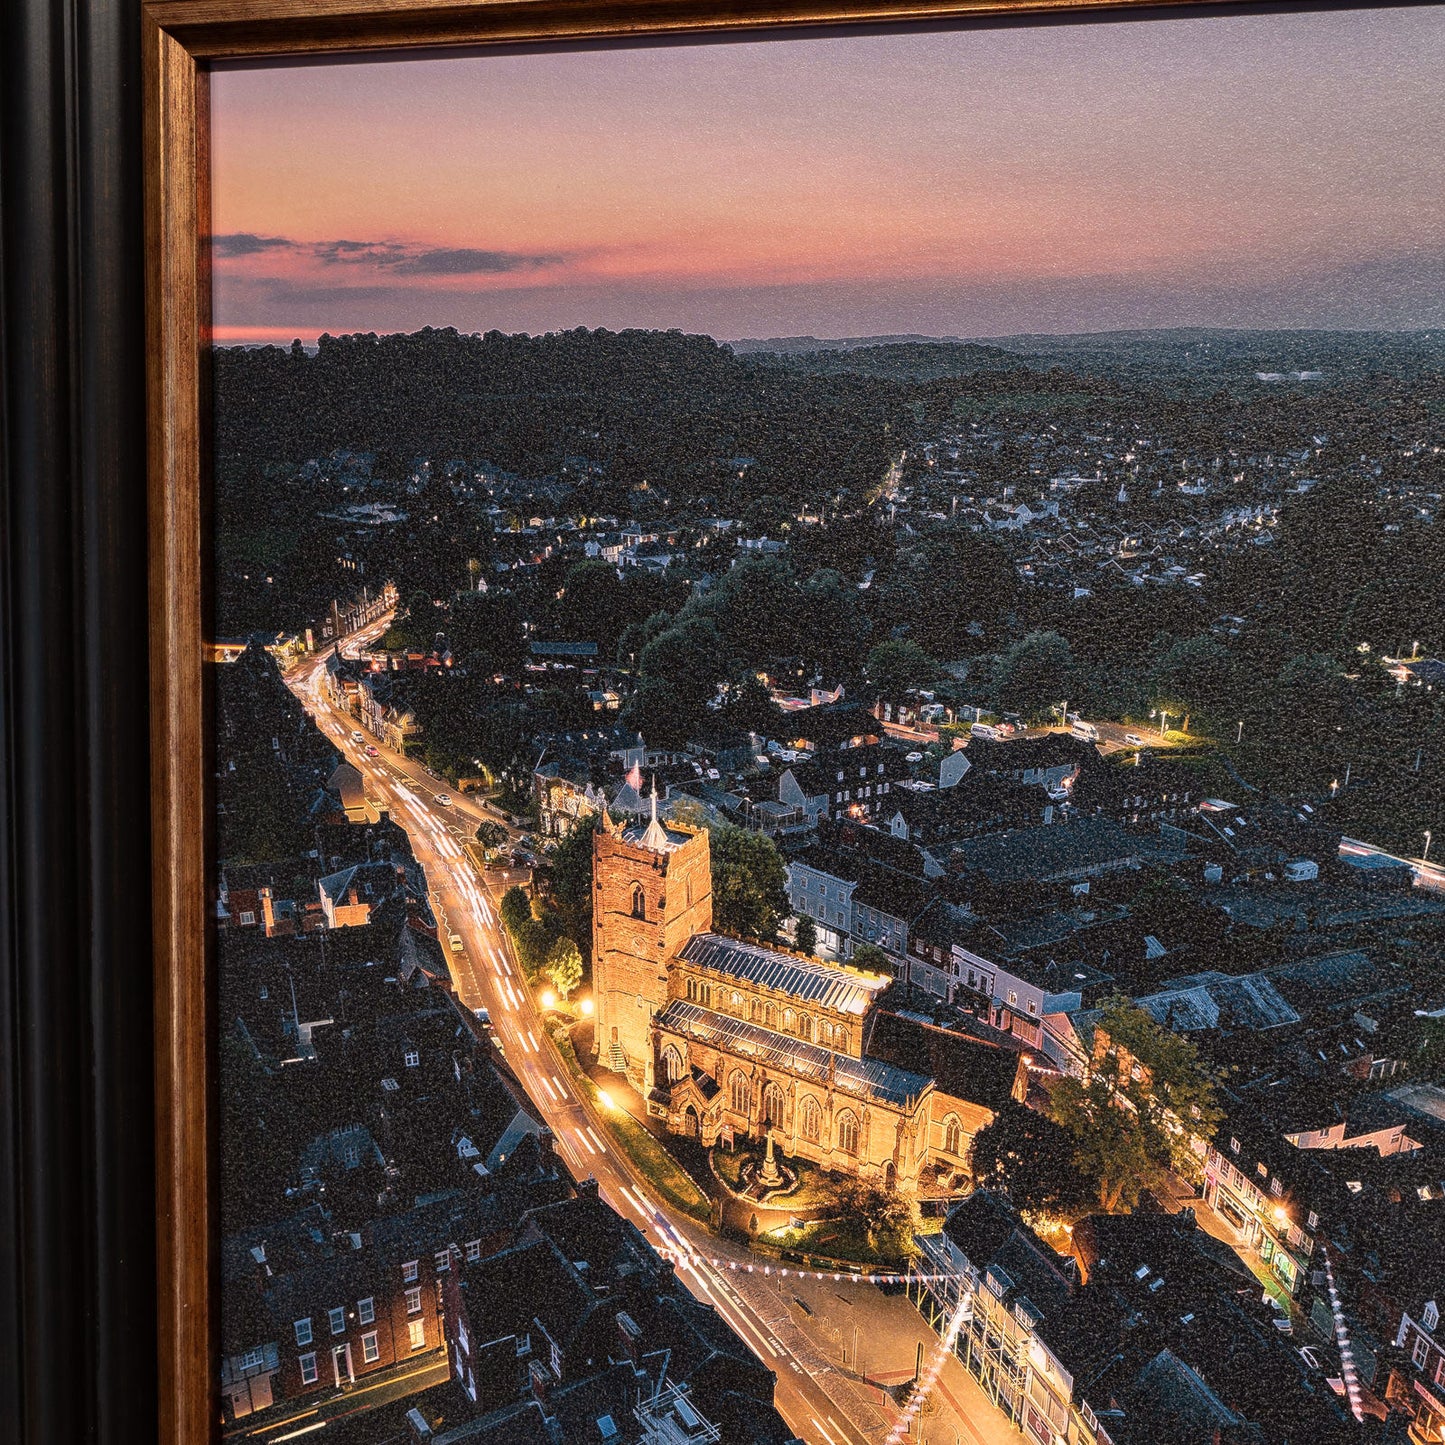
point(486, 976)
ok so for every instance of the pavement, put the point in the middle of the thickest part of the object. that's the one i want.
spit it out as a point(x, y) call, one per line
point(285, 1422)
point(821, 1405)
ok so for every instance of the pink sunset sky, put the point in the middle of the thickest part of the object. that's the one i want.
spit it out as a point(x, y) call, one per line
point(1264, 170)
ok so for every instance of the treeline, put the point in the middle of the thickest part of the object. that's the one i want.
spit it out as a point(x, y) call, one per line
point(615, 409)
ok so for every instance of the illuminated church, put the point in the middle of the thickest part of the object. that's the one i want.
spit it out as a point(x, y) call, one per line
point(726, 1039)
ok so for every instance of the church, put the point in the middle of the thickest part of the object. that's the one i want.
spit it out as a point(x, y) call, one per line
point(727, 1040)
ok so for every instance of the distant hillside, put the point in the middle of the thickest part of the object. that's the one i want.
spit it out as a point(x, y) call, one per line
point(1223, 353)
point(897, 360)
point(1189, 357)
point(790, 345)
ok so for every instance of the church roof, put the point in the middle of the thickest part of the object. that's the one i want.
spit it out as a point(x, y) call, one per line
point(863, 1078)
point(811, 982)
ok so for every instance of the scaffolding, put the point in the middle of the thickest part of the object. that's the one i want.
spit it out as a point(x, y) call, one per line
point(670, 1418)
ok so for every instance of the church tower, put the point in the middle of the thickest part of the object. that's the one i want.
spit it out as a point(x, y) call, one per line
point(651, 892)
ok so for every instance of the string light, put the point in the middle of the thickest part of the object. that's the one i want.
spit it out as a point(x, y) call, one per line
point(694, 1257)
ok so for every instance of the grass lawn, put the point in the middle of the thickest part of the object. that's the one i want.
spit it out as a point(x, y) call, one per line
point(839, 1239)
point(816, 1189)
point(649, 1157)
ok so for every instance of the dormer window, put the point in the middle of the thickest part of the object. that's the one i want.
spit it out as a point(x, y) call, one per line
point(1430, 1316)
point(411, 1058)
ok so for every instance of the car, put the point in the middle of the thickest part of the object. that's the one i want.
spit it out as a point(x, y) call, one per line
point(371, 751)
point(454, 943)
point(483, 1015)
point(1134, 740)
point(444, 800)
point(356, 735)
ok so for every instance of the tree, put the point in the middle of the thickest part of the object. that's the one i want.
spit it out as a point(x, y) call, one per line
point(1035, 674)
point(1196, 675)
point(870, 958)
point(515, 907)
point(1160, 1076)
point(491, 835)
point(1020, 1152)
point(1111, 1146)
point(564, 966)
point(749, 883)
point(1145, 1101)
point(805, 934)
point(885, 1214)
point(572, 881)
point(897, 665)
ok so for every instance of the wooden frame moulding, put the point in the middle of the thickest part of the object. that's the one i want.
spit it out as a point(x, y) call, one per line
point(180, 38)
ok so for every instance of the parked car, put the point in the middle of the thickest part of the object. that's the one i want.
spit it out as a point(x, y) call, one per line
point(1134, 740)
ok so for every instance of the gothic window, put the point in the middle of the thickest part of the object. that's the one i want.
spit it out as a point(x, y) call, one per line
point(770, 1016)
point(952, 1135)
point(825, 1032)
point(790, 1021)
point(848, 1132)
point(741, 1092)
point(671, 1064)
point(639, 902)
point(773, 1105)
point(811, 1121)
point(805, 1027)
point(755, 1011)
point(840, 1040)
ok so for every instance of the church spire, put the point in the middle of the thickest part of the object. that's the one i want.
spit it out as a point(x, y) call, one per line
point(656, 835)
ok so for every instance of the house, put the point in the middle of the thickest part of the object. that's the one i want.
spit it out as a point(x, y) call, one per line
point(1069, 856)
point(581, 1321)
point(1149, 1331)
point(938, 818)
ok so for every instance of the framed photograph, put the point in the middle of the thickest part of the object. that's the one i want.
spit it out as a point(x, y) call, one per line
point(794, 735)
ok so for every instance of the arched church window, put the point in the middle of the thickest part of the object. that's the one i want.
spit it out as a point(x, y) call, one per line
point(848, 1132)
point(790, 1021)
point(811, 1120)
point(671, 1064)
point(773, 1105)
point(770, 1016)
point(740, 1092)
point(805, 1027)
point(952, 1134)
point(840, 1040)
point(639, 901)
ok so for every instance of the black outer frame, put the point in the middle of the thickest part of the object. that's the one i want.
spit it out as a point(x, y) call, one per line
point(77, 1190)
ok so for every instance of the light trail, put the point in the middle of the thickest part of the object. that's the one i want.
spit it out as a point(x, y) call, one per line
point(484, 978)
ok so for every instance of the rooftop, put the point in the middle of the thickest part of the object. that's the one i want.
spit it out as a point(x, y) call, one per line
point(822, 984)
point(865, 1078)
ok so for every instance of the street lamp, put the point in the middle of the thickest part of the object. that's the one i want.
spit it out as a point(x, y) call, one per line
point(1426, 853)
point(1239, 736)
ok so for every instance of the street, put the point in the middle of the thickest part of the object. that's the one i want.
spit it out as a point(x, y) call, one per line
point(811, 1394)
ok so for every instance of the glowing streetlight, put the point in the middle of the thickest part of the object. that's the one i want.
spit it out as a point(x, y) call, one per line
point(1426, 853)
point(587, 1007)
point(605, 1099)
point(549, 999)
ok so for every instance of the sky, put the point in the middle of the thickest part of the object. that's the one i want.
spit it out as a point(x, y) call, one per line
point(1279, 170)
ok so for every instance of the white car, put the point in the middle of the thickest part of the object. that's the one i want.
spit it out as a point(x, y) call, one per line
point(454, 942)
point(1134, 740)
point(444, 800)
point(356, 735)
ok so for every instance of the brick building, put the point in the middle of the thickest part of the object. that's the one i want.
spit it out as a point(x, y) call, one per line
point(726, 1039)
